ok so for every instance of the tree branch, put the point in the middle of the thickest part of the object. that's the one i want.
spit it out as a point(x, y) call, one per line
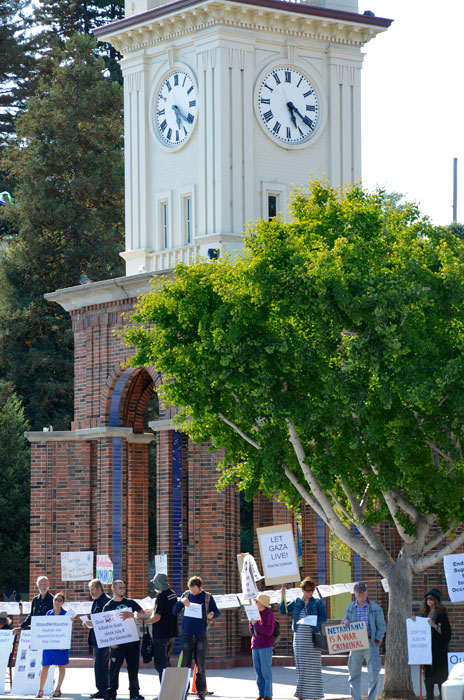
point(238, 431)
point(436, 539)
point(367, 532)
point(305, 494)
point(423, 563)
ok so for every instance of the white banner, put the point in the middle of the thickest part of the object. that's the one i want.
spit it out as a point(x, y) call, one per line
point(249, 588)
point(6, 645)
point(341, 639)
point(28, 667)
point(161, 563)
point(110, 629)
point(51, 631)
point(76, 566)
point(227, 601)
point(104, 568)
point(454, 572)
point(278, 554)
point(454, 657)
point(419, 641)
point(11, 608)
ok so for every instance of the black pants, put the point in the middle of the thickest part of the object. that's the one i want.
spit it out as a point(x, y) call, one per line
point(430, 688)
point(162, 649)
point(130, 652)
point(101, 660)
point(195, 647)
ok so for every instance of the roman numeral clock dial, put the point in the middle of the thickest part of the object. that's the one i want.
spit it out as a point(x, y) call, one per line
point(287, 106)
point(175, 108)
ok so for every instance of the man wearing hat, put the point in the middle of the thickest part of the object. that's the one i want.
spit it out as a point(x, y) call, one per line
point(164, 623)
point(363, 609)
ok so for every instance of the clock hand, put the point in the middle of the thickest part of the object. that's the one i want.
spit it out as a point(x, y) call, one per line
point(293, 109)
point(290, 109)
point(178, 114)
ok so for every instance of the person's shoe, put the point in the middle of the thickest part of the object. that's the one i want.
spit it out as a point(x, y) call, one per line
point(137, 697)
point(97, 695)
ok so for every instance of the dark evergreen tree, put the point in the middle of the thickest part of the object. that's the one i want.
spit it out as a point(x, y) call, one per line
point(68, 166)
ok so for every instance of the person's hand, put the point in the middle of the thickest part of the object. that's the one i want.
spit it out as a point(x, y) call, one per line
point(413, 618)
point(346, 623)
point(114, 646)
point(16, 630)
point(210, 615)
point(126, 614)
point(148, 611)
point(377, 642)
point(186, 601)
point(87, 624)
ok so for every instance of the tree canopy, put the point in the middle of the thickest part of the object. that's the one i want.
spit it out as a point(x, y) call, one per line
point(328, 361)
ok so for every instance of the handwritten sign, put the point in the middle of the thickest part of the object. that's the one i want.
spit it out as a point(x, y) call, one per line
point(278, 554)
point(6, 645)
point(341, 639)
point(252, 612)
point(76, 566)
point(110, 629)
point(419, 635)
point(104, 568)
point(51, 632)
point(28, 668)
point(454, 572)
point(227, 601)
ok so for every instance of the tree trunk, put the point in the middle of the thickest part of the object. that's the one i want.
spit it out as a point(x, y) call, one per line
point(398, 683)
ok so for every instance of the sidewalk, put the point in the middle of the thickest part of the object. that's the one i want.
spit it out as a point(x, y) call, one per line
point(230, 684)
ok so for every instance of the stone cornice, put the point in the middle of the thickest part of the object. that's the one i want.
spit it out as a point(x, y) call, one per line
point(89, 434)
point(183, 17)
point(93, 293)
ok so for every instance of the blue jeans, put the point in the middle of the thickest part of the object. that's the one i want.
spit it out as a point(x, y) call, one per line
point(194, 647)
point(374, 664)
point(262, 661)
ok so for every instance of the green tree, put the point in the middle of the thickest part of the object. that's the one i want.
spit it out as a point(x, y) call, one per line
point(14, 491)
point(67, 163)
point(328, 362)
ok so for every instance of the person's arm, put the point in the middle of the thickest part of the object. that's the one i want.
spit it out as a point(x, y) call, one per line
point(346, 620)
point(213, 610)
point(267, 625)
point(178, 607)
point(380, 625)
point(321, 612)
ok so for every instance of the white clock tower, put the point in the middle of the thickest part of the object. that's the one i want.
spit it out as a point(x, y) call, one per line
point(228, 104)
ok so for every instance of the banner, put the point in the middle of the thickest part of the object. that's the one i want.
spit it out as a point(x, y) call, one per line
point(161, 563)
point(104, 568)
point(227, 601)
point(6, 645)
point(454, 572)
point(419, 641)
point(278, 554)
point(341, 639)
point(51, 631)
point(28, 667)
point(111, 629)
point(249, 588)
point(76, 566)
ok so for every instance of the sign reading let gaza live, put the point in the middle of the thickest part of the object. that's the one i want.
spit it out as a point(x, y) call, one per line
point(278, 554)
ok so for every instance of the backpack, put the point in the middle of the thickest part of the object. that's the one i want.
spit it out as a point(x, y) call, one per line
point(276, 634)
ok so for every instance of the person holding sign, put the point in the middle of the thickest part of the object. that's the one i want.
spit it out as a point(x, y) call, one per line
point(437, 673)
point(41, 603)
point(164, 623)
point(262, 642)
point(307, 658)
point(372, 614)
point(199, 609)
point(54, 657)
point(101, 657)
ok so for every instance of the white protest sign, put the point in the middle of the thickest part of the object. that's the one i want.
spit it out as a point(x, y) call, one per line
point(51, 631)
point(104, 568)
point(147, 603)
point(110, 629)
point(454, 657)
point(86, 620)
point(248, 577)
point(6, 645)
point(193, 610)
point(28, 668)
point(161, 563)
point(278, 554)
point(76, 566)
point(419, 641)
point(252, 612)
point(341, 638)
point(274, 596)
point(11, 608)
point(27, 608)
point(385, 586)
point(308, 620)
point(454, 572)
point(291, 594)
point(227, 601)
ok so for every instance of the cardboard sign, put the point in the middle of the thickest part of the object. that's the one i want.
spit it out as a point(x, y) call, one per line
point(111, 629)
point(278, 554)
point(6, 645)
point(28, 667)
point(454, 572)
point(341, 639)
point(419, 641)
point(76, 566)
point(51, 631)
point(174, 684)
point(454, 658)
point(104, 568)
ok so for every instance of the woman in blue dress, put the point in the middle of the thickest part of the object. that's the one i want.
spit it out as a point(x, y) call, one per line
point(54, 657)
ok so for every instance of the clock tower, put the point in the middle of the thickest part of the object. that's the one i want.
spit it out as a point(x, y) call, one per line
point(228, 104)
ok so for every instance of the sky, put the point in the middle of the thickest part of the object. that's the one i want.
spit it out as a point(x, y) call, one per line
point(413, 103)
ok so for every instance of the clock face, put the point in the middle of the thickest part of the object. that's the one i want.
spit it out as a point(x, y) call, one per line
point(288, 105)
point(175, 108)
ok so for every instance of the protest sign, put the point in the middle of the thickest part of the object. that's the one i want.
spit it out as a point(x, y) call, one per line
point(76, 566)
point(193, 610)
point(454, 572)
point(341, 639)
point(11, 608)
point(308, 620)
point(227, 601)
point(27, 608)
point(278, 554)
point(6, 645)
point(249, 574)
point(104, 568)
point(252, 612)
point(110, 629)
point(28, 667)
point(51, 631)
point(454, 657)
point(161, 563)
point(419, 635)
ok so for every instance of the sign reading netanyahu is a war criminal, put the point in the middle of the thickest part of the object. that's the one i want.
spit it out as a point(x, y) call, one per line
point(341, 638)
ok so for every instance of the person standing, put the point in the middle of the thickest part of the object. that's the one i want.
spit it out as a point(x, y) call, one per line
point(364, 609)
point(307, 657)
point(194, 629)
point(164, 623)
point(54, 657)
point(130, 652)
point(437, 672)
point(41, 603)
point(101, 657)
point(262, 643)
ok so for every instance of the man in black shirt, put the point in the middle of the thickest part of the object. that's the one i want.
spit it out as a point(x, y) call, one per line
point(129, 651)
point(41, 603)
point(101, 657)
point(164, 623)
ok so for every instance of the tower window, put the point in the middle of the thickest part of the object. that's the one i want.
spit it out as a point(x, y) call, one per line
point(271, 206)
point(188, 219)
point(165, 223)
